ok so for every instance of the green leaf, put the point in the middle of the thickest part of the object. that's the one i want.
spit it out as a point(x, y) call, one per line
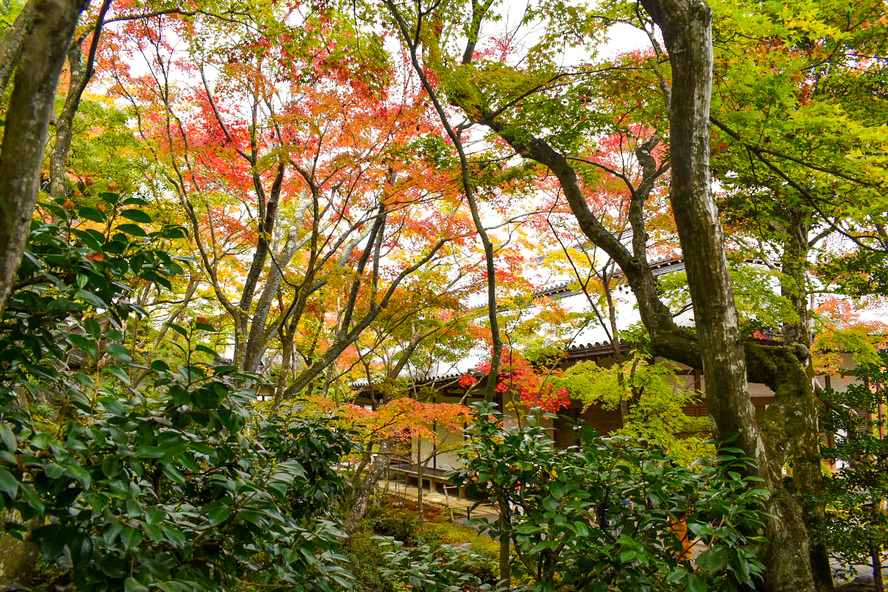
point(31, 499)
point(218, 514)
point(119, 352)
point(136, 216)
point(93, 214)
point(92, 327)
point(89, 238)
point(171, 443)
point(109, 196)
point(8, 437)
point(149, 452)
point(132, 229)
point(133, 508)
point(701, 529)
point(131, 585)
point(53, 471)
point(175, 536)
point(154, 515)
point(159, 366)
point(87, 345)
point(113, 406)
point(173, 586)
point(130, 537)
point(178, 329)
point(628, 556)
point(188, 462)
point(110, 466)
point(550, 504)
point(81, 475)
point(118, 373)
point(205, 349)
point(250, 516)
point(91, 298)
point(713, 560)
point(153, 532)
point(696, 583)
point(173, 232)
point(174, 474)
point(113, 335)
point(676, 575)
point(85, 380)
point(112, 532)
point(8, 484)
point(204, 327)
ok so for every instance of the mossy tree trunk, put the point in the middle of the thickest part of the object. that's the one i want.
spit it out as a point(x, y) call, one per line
point(35, 66)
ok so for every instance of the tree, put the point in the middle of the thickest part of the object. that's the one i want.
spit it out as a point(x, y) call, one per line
point(505, 105)
point(655, 404)
point(33, 51)
point(293, 166)
point(420, 331)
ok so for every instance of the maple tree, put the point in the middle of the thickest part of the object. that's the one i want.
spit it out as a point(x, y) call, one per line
point(335, 196)
point(517, 377)
point(310, 193)
point(399, 421)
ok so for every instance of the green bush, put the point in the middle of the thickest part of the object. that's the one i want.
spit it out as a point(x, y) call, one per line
point(602, 515)
point(444, 568)
point(392, 522)
point(175, 484)
point(365, 558)
point(482, 546)
point(855, 495)
point(176, 490)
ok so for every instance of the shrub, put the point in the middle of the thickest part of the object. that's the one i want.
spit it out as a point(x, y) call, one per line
point(856, 524)
point(446, 568)
point(604, 515)
point(365, 558)
point(392, 522)
point(173, 488)
point(480, 545)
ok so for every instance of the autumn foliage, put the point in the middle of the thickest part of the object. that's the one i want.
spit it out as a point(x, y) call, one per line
point(403, 419)
point(519, 378)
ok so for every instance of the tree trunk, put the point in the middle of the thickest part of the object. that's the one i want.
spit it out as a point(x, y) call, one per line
point(12, 43)
point(807, 472)
point(876, 555)
point(284, 370)
point(40, 62)
point(260, 333)
point(505, 551)
point(686, 27)
point(365, 491)
point(420, 473)
point(18, 559)
point(80, 72)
